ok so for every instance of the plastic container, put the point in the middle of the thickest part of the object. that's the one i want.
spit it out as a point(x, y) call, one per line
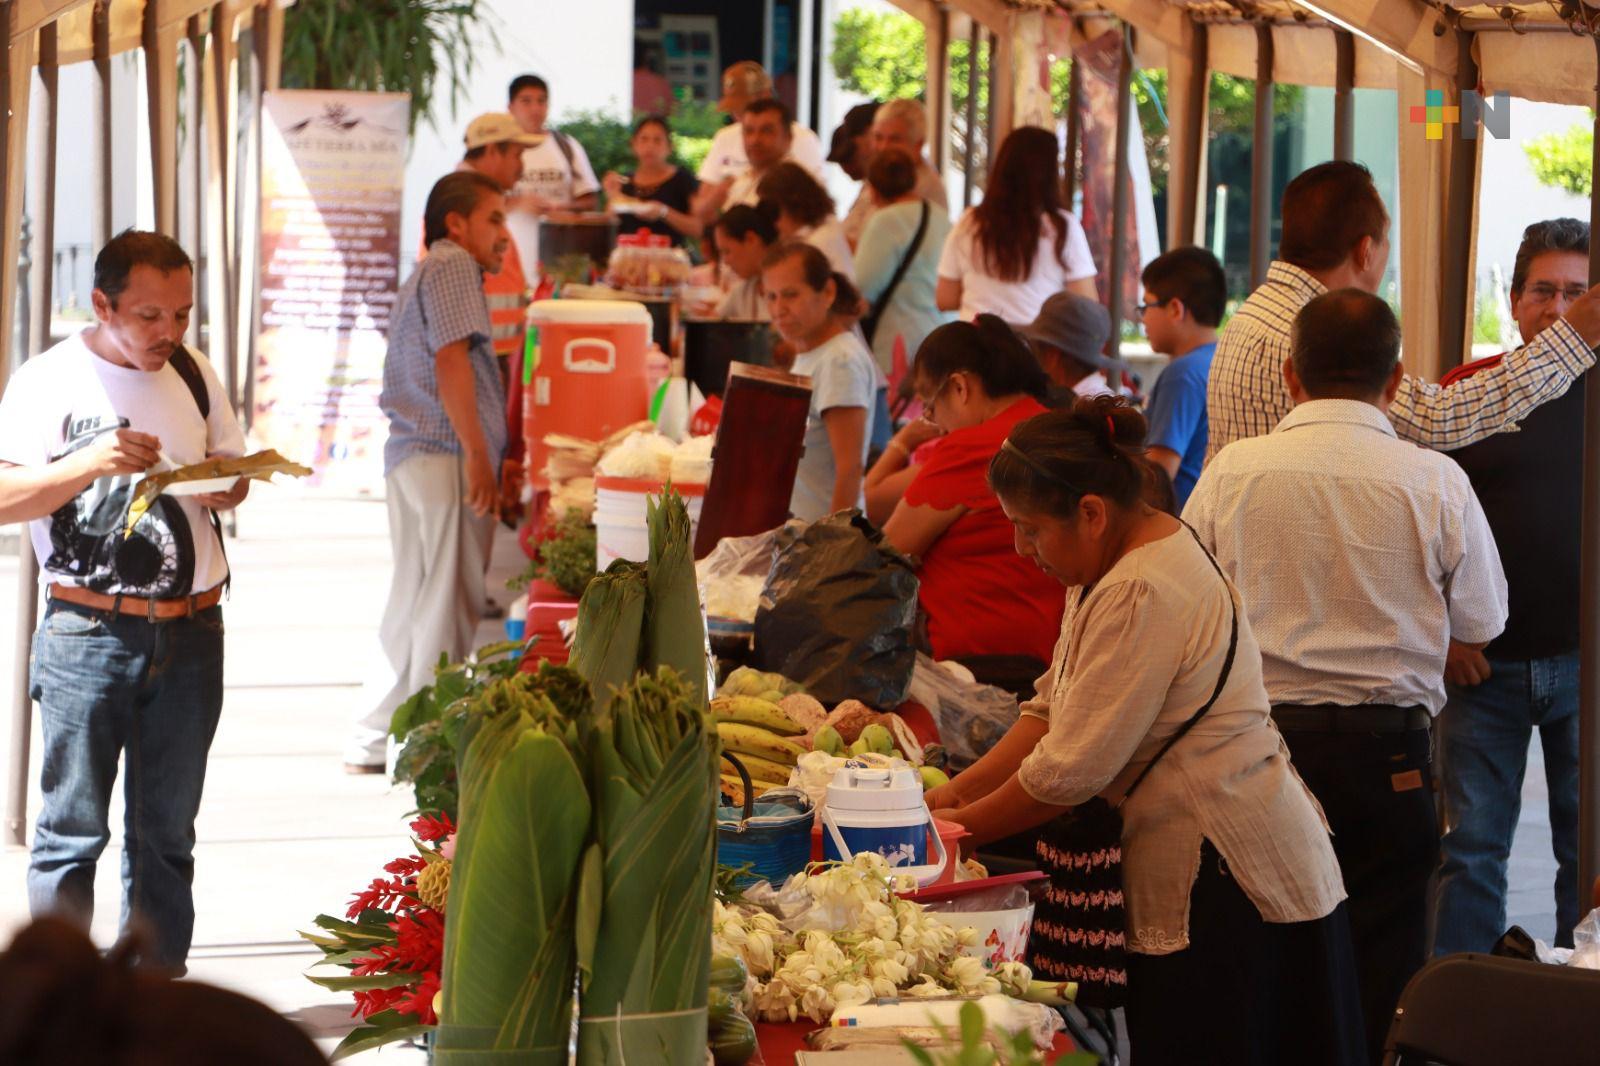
point(517, 618)
point(883, 811)
point(772, 836)
point(999, 908)
point(585, 375)
point(620, 528)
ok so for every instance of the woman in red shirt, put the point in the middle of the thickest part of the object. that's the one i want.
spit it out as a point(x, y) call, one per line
point(976, 381)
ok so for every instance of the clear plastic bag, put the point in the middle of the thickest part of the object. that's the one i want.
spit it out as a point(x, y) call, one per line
point(1586, 942)
point(971, 717)
point(995, 898)
point(732, 576)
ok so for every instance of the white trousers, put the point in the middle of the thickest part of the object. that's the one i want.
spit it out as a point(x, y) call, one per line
point(441, 555)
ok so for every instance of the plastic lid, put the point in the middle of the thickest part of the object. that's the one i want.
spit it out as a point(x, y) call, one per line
point(864, 788)
point(590, 312)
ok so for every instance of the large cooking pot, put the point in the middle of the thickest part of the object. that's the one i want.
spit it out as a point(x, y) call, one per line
point(563, 235)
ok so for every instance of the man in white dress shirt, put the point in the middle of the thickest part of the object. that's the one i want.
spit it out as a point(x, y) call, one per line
point(1359, 557)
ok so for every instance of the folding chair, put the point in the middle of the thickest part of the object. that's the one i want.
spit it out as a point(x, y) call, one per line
point(1479, 1010)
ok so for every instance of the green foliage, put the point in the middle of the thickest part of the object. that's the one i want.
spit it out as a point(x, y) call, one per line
point(978, 1043)
point(566, 558)
point(606, 137)
point(429, 726)
point(880, 54)
point(1564, 160)
point(1486, 324)
point(400, 46)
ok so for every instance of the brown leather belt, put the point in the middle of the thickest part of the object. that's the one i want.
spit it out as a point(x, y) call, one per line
point(150, 610)
point(1365, 718)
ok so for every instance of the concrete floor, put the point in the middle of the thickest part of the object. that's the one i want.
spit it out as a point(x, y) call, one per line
point(284, 834)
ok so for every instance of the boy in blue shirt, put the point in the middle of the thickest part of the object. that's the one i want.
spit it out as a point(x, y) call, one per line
point(1185, 292)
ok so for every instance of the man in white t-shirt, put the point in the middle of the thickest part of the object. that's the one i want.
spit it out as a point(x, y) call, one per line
point(129, 652)
point(742, 85)
point(556, 175)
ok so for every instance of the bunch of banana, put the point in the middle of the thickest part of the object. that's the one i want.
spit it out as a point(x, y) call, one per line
point(758, 732)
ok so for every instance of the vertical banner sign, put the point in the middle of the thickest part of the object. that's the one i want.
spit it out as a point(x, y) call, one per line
point(1100, 59)
point(332, 175)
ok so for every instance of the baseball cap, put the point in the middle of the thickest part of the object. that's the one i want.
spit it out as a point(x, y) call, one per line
point(1078, 326)
point(857, 121)
point(743, 82)
point(496, 127)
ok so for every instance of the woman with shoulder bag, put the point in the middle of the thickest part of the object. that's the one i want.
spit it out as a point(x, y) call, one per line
point(897, 258)
point(1191, 875)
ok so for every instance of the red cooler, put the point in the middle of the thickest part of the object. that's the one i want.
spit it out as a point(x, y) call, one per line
point(587, 377)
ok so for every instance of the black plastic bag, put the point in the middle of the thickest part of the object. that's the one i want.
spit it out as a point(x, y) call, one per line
point(838, 612)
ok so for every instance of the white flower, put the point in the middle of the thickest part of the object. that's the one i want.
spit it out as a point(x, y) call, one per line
point(967, 973)
point(1014, 977)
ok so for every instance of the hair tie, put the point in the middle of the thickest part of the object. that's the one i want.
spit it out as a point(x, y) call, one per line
point(1111, 431)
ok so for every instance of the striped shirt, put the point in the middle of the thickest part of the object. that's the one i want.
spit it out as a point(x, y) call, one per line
point(442, 302)
point(1246, 396)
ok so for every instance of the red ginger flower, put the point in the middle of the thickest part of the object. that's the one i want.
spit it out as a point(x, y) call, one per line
point(433, 827)
point(418, 999)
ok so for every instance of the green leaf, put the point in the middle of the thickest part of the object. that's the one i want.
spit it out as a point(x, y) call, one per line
point(366, 981)
point(972, 1025)
point(385, 1027)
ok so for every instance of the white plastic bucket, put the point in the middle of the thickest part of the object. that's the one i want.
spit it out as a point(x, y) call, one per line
point(620, 527)
point(875, 810)
point(1002, 935)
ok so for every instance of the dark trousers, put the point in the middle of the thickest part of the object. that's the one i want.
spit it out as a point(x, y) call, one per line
point(1246, 992)
point(1377, 791)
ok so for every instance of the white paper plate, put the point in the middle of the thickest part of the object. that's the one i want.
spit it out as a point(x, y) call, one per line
point(200, 488)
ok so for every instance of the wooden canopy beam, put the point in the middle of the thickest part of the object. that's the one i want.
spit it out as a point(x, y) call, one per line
point(159, 38)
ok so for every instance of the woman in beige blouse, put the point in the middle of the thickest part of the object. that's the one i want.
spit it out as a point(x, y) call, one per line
point(1237, 939)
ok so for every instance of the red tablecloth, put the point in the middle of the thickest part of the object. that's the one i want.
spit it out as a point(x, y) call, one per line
point(779, 1042)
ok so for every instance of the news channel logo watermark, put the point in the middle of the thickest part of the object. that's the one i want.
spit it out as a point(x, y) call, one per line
point(1493, 113)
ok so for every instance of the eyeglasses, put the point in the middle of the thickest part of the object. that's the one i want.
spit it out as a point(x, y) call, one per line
point(1142, 308)
point(933, 397)
point(1542, 293)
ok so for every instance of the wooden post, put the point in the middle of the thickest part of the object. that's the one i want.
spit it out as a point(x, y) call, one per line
point(1002, 81)
point(1069, 173)
point(967, 167)
point(16, 59)
point(1461, 180)
point(1589, 587)
point(1186, 217)
point(220, 112)
point(936, 34)
point(994, 128)
point(1344, 80)
point(1119, 196)
point(1261, 171)
point(100, 131)
point(42, 182)
point(160, 43)
point(194, 150)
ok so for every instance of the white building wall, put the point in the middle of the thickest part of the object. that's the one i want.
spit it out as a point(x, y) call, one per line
point(583, 48)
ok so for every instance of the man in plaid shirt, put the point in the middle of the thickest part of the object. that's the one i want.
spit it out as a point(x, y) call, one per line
point(447, 441)
point(1336, 235)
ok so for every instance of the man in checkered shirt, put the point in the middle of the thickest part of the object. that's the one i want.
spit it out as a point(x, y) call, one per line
point(447, 442)
point(1336, 235)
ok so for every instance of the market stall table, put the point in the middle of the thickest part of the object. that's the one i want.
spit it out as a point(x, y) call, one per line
point(781, 1041)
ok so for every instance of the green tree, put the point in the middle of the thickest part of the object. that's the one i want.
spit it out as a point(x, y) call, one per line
point(1564, 160)
point(400, 46)
point(883, 55)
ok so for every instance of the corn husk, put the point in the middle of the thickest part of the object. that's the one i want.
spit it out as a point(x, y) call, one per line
point(510, 948)
point(675, 628)
point(645, 900)
point(609, 643)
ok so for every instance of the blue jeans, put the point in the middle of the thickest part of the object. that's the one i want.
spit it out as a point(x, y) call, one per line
point(1484, 732)
point(108, 684)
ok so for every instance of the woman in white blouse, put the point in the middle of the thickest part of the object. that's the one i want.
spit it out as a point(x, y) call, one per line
point(803, 211)
point(1238, 942)
point(1021, 245)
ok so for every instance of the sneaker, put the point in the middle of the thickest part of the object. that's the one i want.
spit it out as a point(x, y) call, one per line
point(366, 753)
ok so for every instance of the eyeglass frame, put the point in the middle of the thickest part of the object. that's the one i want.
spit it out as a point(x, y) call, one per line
point(1540, 294)
point(1141, 308)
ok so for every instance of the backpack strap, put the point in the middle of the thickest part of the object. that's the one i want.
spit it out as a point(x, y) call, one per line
point(183, 362)
point(564, 143)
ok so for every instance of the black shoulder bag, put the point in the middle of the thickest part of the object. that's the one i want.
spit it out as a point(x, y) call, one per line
point(183, 362)
point(1080, 925)
point(869, 321)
